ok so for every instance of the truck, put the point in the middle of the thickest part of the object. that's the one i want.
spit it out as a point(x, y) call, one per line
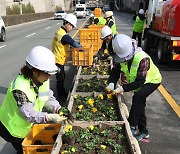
point(162, 31)
point(80, 10)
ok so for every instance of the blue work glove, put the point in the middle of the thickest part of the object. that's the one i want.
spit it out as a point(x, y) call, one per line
point(77, 45)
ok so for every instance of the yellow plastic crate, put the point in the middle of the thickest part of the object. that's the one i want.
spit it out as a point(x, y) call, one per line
point(40, 139)
point(82, 56)
point(94, 26)
point(89, 36)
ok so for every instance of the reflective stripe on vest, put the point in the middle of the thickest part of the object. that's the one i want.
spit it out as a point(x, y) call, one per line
point(10, 114)
point(61, 51)
point(113, 28)
point(138, 25)
point(153, 74)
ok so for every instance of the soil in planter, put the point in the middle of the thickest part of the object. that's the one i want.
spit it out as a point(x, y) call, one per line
point(95, 109)
point(93, 84)
point(101, 70)
point(99, 139)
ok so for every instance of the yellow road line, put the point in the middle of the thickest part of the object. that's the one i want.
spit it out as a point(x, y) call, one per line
point(79, 28)
point(170, 100)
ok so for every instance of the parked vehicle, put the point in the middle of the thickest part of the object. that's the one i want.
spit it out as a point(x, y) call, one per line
point(80, 10)
point(59, 14)
point(162, 31)
point(2, 30)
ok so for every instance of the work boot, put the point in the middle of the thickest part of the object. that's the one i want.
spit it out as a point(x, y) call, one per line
point(141, 136)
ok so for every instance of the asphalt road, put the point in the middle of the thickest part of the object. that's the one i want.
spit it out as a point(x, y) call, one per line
point(163, 123)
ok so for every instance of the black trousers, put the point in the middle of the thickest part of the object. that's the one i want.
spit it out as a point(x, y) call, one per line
point(60, 77)
point(137, 116)
point(139, 35)
point(16, 142)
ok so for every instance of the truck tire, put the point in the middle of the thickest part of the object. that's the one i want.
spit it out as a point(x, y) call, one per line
point(163, 55)
point(3, 35)
point(147, 48)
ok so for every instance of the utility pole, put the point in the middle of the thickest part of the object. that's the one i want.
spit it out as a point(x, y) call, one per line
point(20, 6)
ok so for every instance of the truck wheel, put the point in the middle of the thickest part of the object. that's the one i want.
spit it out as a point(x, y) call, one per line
point(162, 54)
point(146, 46)
point(3, 35)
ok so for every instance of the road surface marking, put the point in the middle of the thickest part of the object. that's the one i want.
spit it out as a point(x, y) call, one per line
point(170, 100)
point(2, 46)
point(47, 27)
point(30, 34)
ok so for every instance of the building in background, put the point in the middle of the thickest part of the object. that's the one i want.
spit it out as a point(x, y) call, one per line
point(39, 5)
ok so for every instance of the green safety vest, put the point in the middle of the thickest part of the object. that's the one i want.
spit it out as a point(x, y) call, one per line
point(153, 74)
point(102, 21)
point(10, 114)
point(113, 28)
point(138, 25)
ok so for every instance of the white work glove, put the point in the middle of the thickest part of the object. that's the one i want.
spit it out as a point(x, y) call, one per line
point(56, 118)
point(95, 59)
point(119, 89)
point(110, 58)
point(110, 88)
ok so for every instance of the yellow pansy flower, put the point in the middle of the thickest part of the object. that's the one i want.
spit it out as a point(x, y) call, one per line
point(85, 68)
point(94, 110)
point(93, 72)
point(103, 146)
point(80, 107)
point(73, 149)
point(91, 101)
point(75, 96)
point(100, 96)
point(89, 84)
point(91, 127)
point(104, 73)
point(64, 152)
point(61, 113)
point(110, 96)
point(68, 128)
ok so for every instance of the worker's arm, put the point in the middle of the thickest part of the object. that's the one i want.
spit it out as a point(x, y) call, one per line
point(141, 76)
point(27, 108)
point(101, 50)
point(115, 74)
point(66, 39)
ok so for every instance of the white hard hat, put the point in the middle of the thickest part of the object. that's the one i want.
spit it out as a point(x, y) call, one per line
point(122, 47)
point(108, 14)
point(141, 11)
point(71, 18)
point(42, 59)
point(105, 31)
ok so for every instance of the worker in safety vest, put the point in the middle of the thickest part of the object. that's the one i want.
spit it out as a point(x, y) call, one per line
point(138, 27)
point(99, 20)
point(143, 77)
point(110, 21)
point(27, 94)
point(107, 36)
point(61, 49)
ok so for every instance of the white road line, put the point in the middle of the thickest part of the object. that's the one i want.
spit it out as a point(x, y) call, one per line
point(30, 34)
point(2, 46)
point(47, 27)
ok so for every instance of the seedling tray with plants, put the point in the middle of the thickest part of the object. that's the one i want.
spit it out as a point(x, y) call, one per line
point(97, 138)
point(101, 70)
point(91, 83)
point(94, 107)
